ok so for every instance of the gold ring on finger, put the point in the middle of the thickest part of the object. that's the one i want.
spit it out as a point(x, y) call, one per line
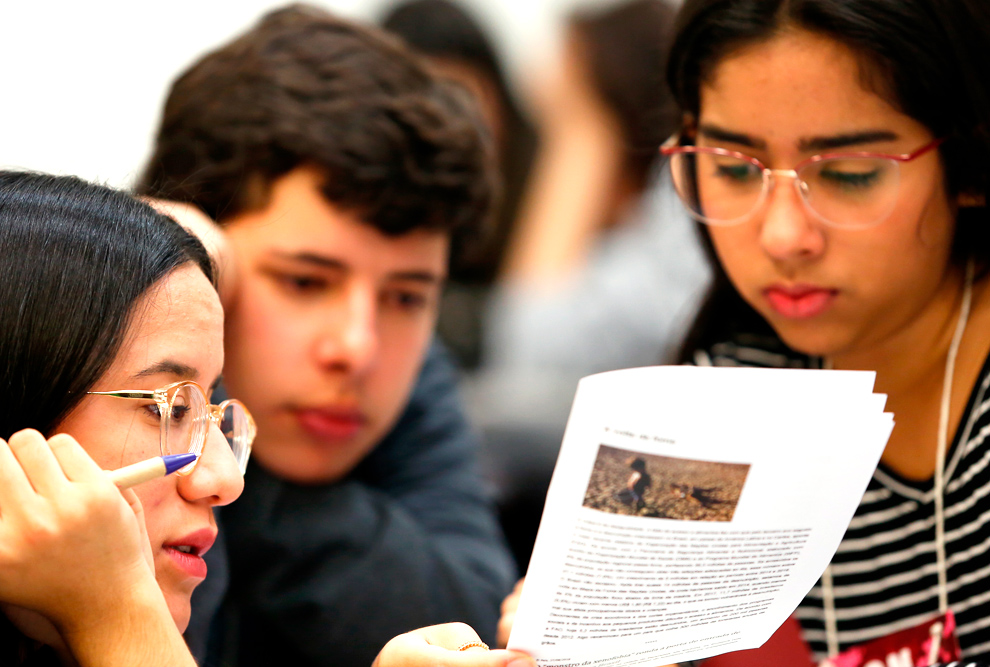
point(477, 644)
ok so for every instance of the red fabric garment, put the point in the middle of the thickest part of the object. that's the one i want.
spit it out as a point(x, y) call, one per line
point(786, 648)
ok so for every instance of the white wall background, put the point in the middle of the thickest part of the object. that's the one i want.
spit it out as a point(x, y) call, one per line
point(82, 82)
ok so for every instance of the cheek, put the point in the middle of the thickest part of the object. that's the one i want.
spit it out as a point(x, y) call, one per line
point(923, 221)
point(936, 227)
point(911, 249)
point(262, 336)
point(113, 438)
point(402, 349)
point(738, 251)
point(156, 497)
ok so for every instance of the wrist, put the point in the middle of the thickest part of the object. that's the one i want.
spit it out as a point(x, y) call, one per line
point(136, 629)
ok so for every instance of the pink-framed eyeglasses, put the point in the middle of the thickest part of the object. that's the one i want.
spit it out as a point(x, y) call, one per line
point(847, 190)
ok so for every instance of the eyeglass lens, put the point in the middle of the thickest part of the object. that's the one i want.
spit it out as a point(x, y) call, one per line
point(844, 191)
point(237, 429)
point(188, 422)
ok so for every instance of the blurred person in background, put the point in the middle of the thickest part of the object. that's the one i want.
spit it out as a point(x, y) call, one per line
point(457, 47)
point(339, 169)
point(604, 269)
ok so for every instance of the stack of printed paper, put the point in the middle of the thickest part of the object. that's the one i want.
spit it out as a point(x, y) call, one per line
point(692, 509)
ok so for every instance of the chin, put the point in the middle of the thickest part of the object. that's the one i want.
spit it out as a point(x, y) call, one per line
point(301, 459)
point(307, 467)
point(813, 343)
point(180, 608)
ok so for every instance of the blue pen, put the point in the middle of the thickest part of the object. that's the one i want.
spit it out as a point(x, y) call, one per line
point(158, 466)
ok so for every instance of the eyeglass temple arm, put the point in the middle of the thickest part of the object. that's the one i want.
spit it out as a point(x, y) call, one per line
point(124, 394)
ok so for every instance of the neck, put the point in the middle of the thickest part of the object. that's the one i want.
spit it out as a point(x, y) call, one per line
point(911, 369)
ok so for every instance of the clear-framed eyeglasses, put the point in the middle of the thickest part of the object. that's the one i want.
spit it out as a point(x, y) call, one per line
point(847, 190)
point(186, 414)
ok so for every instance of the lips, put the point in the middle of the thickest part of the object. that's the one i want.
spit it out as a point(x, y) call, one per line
point(331, 424)
point(187, 552)
point(799, 301)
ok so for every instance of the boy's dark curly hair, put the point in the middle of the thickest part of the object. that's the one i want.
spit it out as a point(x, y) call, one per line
point(399, 147)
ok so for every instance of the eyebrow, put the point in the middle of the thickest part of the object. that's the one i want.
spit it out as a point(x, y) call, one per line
point(324, 262)
point(845, 140)
point(177, 369)
point(311, 258)
point(168, 367)
point(809, 145)
point(417, 276)
point(716, 133)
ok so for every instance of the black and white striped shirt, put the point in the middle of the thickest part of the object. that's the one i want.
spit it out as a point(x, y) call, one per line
point(885, 571)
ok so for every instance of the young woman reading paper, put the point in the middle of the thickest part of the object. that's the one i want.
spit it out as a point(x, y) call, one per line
point(837, 153)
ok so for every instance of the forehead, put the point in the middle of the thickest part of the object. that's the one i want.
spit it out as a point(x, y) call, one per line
point(795, 86)
point(298, 220)
point(178, 320)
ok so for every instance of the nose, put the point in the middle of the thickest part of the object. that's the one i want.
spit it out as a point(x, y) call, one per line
point(790, 232)
point(216, 478)
point(348, 337)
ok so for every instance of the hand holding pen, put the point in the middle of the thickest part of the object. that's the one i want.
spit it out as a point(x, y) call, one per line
point(149, 469)
point(71, 542)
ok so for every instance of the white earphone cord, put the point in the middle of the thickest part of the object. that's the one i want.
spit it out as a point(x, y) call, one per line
point(828, 590)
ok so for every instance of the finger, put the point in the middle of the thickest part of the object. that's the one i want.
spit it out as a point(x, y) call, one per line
point(76, 463)
point(135, 503)
point(504, 630)
point(511, 601)
point(138, 509)
point(509, 606)
point(449, 635)
point(404, 652)
point(436, 646)
point(15, 489)
point(39, 463)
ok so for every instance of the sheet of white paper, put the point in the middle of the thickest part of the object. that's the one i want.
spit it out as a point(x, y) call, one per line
point(752, 476)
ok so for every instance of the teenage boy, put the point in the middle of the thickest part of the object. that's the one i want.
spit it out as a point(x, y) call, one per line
point(339, 169)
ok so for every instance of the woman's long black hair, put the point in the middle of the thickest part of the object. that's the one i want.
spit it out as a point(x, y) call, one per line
point(928, 58)
point(74, 259)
